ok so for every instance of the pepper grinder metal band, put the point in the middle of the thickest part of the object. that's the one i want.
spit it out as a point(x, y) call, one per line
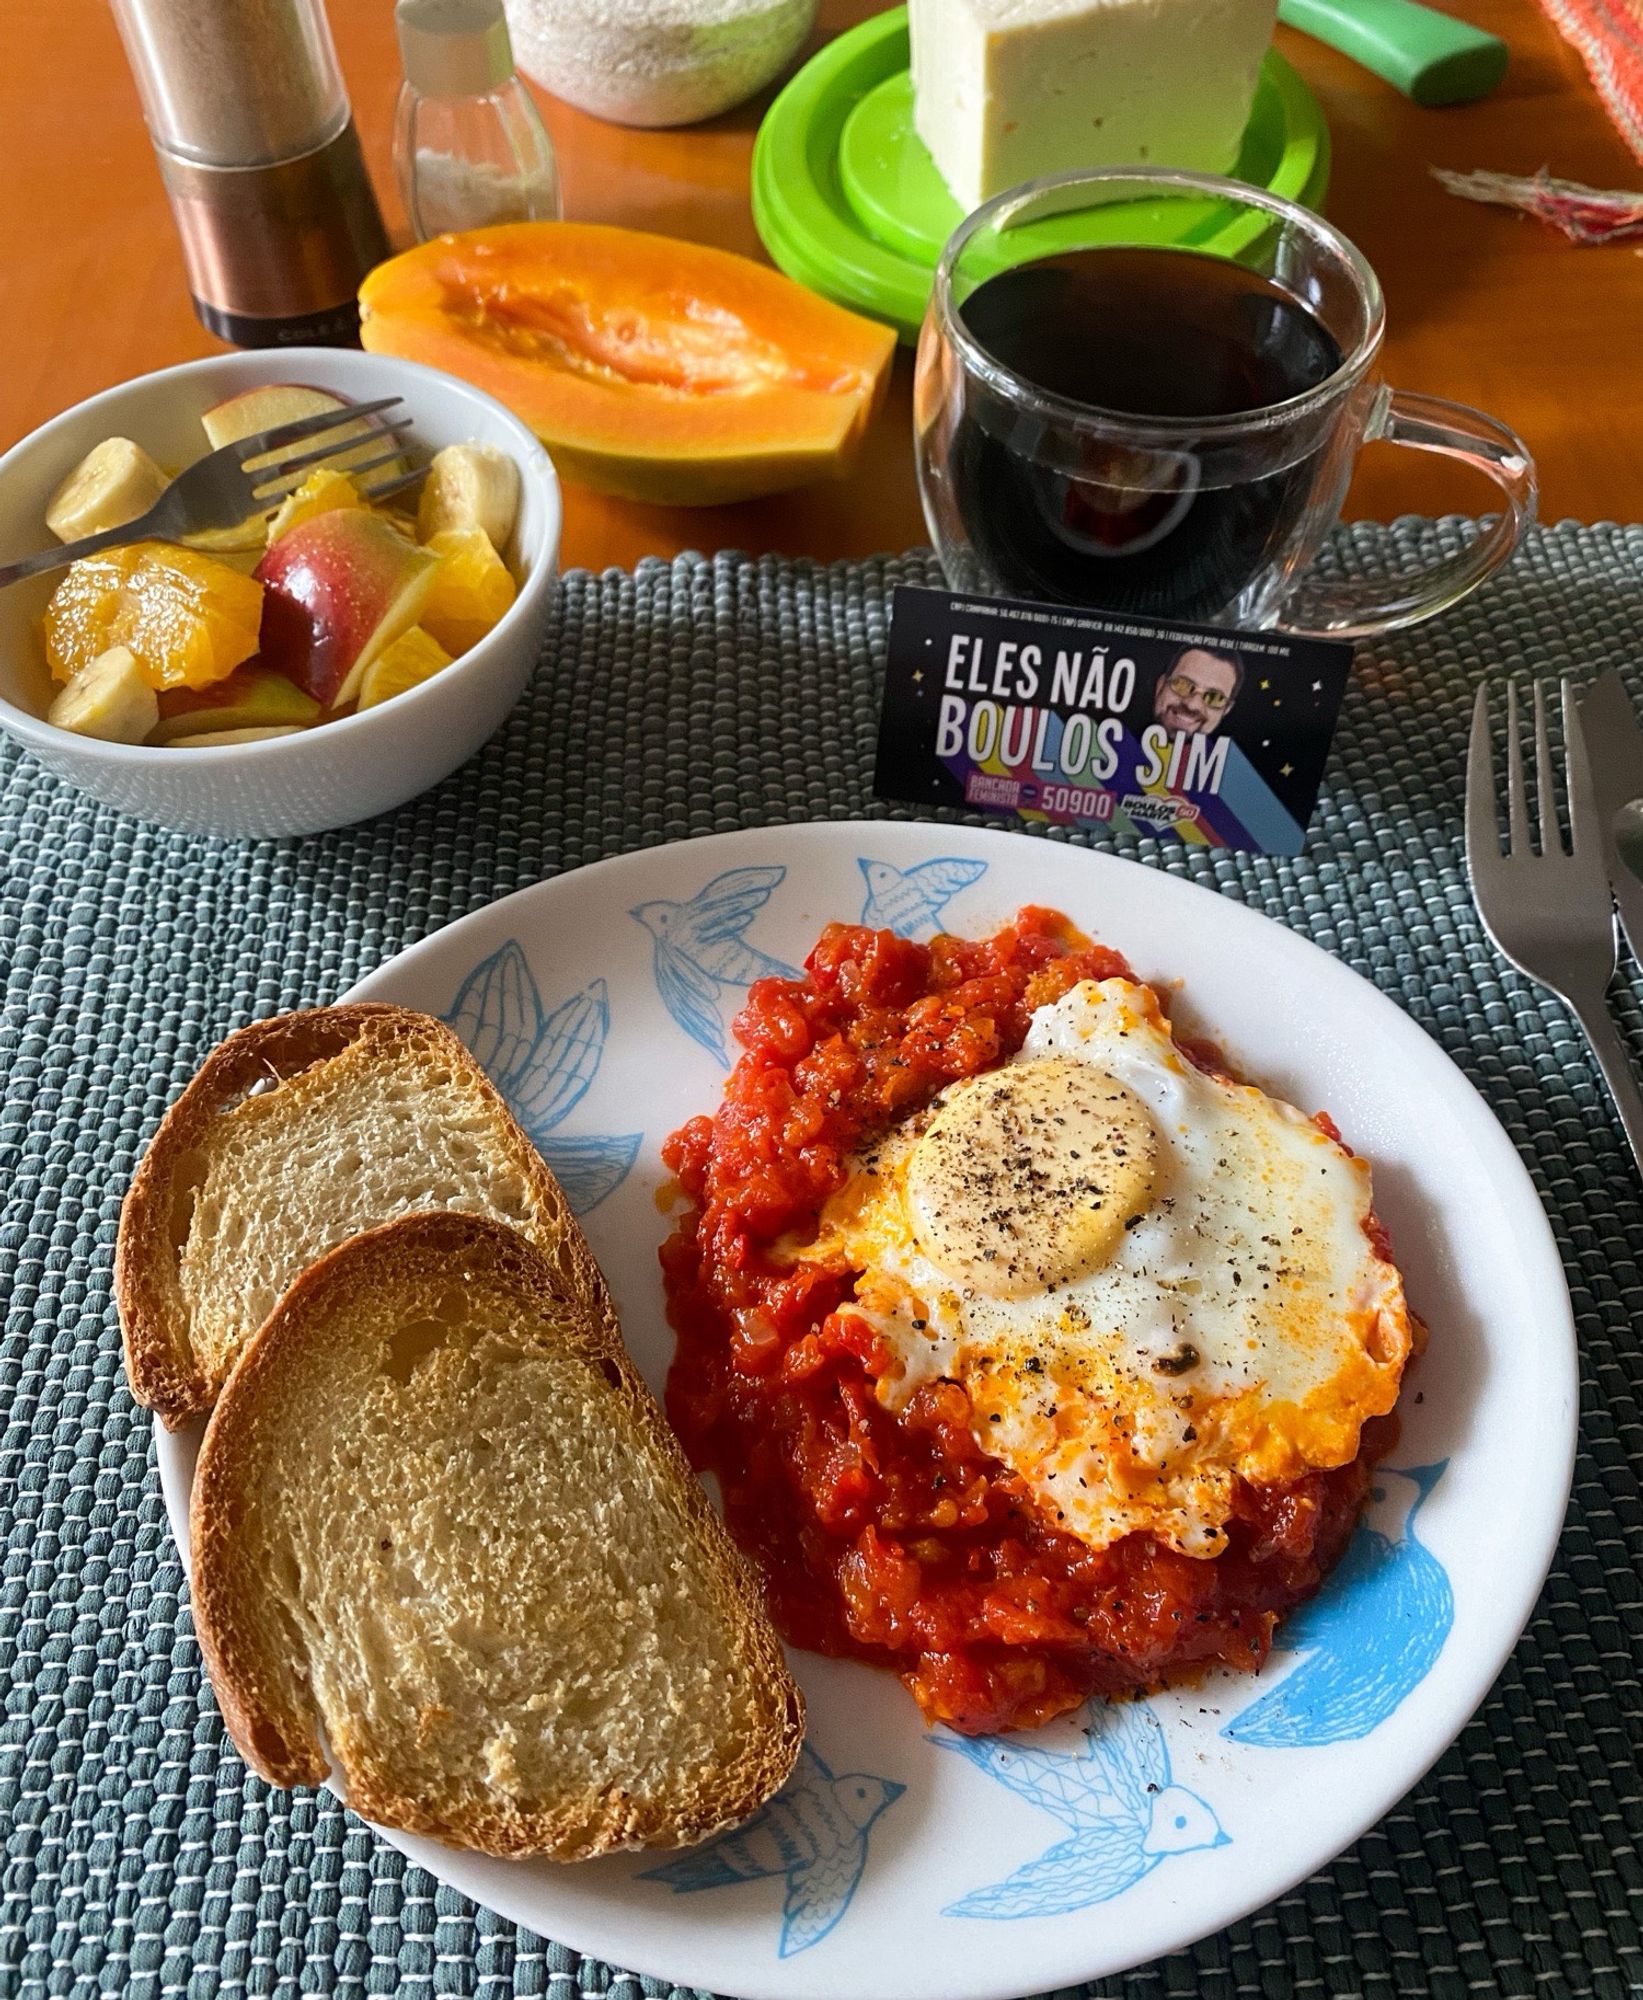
point(250, 121)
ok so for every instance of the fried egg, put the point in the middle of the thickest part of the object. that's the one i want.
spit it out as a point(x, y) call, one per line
point(1151, 1282)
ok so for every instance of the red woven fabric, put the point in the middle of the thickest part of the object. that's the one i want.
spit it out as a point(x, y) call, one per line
point(1609, 35)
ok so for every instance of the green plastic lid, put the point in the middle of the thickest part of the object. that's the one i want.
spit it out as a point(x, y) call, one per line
point(849, 202)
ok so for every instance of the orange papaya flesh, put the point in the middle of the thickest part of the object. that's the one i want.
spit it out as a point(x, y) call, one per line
point(651, 368)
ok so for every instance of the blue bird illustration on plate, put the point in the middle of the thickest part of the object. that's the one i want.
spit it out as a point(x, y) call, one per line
point(699, 949)
point(1124, 1813)
point(813, 1835)
point(1370, 1636)
point(910, 901)
point(544, 1063)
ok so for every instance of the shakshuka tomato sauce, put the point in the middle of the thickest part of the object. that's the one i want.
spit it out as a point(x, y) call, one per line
point(894, 1537)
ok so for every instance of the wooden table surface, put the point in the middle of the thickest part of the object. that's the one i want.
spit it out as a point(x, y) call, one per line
point(1483, 305)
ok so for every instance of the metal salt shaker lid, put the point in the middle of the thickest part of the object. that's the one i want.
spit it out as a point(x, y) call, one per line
point(454, 48)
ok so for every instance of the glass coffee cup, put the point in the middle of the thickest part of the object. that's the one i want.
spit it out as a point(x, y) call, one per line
point(1170, 431)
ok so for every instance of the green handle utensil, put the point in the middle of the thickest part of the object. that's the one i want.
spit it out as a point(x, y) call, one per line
point(1430, 57)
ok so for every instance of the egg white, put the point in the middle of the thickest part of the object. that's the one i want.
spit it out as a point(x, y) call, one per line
point(1240, 1324)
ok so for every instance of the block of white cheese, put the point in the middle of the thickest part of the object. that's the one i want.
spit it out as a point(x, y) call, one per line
point(1006, 90)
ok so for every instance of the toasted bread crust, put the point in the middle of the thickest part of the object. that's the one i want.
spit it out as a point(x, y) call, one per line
point(165, 1370)
point(278, 1735)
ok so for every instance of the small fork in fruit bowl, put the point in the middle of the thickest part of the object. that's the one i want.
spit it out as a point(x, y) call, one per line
point(242, 480)
point(1549, 907)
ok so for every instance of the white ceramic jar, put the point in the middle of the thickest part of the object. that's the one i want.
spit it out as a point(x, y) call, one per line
point(657, 62)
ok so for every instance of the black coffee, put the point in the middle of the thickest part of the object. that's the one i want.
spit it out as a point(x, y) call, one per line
point(1151, 333)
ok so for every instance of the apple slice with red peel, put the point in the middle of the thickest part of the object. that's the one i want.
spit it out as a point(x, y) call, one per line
point(273, 403)
point(336, 591)
point(248, 698)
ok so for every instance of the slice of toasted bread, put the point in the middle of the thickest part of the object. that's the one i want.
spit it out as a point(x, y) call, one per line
point(296, 1134)
point(439, 1517)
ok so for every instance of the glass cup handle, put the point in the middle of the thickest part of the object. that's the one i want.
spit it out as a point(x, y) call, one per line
point(1428, 423)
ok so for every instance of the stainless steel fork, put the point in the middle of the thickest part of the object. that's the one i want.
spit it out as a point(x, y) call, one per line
point(1550, 912)
point(229, 485)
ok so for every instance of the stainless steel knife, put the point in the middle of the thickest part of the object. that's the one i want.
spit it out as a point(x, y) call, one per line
point(1614, 748)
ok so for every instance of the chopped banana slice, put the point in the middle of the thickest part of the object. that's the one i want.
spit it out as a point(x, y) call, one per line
point(470, 486)
point(114, 483)
point(210, 739)
point(109, 698)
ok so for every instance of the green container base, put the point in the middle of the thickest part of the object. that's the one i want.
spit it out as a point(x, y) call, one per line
point(849, 202)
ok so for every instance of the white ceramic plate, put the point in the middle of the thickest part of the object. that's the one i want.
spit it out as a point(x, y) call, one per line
point(898, 1866)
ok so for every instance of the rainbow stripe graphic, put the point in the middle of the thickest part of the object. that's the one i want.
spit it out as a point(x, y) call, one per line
point(1034, 782)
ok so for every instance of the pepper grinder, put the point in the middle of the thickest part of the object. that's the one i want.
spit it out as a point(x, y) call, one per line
point(255, 138)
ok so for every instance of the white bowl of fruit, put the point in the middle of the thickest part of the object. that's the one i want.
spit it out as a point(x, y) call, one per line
point(307, 670)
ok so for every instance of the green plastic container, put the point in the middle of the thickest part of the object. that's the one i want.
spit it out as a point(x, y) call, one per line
point(848, 201)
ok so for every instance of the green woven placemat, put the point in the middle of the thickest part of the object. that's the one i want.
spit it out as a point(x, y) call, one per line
point(139, 1856)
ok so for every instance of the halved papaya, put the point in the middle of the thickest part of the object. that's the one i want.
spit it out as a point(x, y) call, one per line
point(651, 368)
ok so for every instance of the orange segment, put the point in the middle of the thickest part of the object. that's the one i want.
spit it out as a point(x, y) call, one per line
point(322, 492)
point(413, 658)
point(472, 589)
point(188, 618)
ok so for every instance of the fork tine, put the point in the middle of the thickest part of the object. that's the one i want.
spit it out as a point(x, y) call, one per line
point(1577, 775)
point(1482, 828)
point(1517, 791)
point(284, 468)
point(1551, 834)
point(299, 428)
point(282, 473)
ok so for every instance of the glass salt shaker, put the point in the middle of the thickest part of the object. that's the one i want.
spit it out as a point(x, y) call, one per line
point(470, 147)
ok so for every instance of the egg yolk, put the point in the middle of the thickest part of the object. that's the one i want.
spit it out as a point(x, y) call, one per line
point(1027, 1177)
